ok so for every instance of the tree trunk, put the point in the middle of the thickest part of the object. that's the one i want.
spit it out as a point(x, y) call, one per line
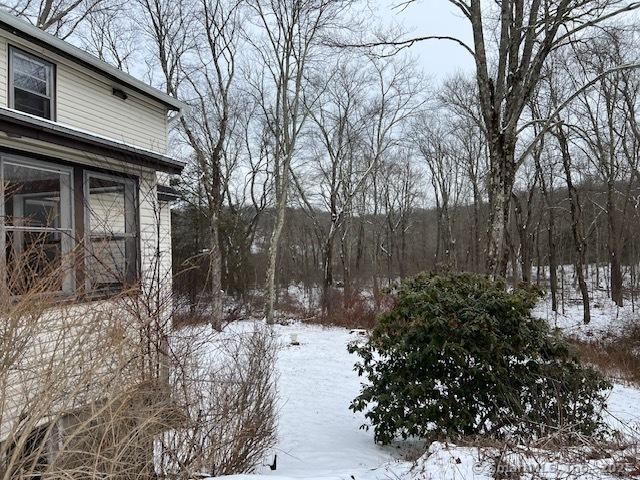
point(273, 253)
point(613, 242)
point(553, 262)
point(345, 257)
point(577, 226)
point(215, 272)
point(501, 186)
point(476, 229)
point(327, 280)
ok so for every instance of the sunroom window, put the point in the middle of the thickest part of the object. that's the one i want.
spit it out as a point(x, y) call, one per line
point(58, 238)
point(112, 263)
point(31, 87)
point(36, 219)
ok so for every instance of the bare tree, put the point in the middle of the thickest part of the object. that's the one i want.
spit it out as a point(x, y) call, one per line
point(435, 147)
point(195, 45)
point(62, 18)
point(607, 138)
point(286, 46)
point(507, 74)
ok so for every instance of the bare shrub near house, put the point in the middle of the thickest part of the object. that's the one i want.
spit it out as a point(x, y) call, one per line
point(94, 389)
point(74, 402)
point(225, 384)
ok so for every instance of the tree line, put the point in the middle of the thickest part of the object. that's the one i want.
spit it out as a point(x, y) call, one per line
point(318, 152)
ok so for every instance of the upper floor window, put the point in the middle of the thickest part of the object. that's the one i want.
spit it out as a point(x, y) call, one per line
point(31, 84)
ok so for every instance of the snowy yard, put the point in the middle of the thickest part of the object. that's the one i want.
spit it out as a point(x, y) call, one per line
point(320, 438)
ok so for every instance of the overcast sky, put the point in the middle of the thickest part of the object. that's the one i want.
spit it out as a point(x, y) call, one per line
point(438, 58)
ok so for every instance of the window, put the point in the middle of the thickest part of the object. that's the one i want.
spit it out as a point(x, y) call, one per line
point(31, 84)
point(38, 234)
point(40, 239)
point(112, 231)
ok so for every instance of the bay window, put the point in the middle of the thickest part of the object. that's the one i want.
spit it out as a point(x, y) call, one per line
point(41, 239)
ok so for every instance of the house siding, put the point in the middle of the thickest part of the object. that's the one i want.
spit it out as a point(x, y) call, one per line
point(84, 99)
point(155, 251)
point(4, 81)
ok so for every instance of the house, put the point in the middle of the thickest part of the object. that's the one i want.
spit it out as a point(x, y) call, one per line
point(85, 171)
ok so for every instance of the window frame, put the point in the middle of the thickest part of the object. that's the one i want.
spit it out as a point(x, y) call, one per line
point(134, 186)
point(12, 49)
point(79, 213)
point(67, 197)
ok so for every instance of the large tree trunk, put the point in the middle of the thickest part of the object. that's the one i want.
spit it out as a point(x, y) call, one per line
point(215, 272)
point(501, 186)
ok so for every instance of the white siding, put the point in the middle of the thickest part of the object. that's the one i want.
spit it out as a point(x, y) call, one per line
point(3, 71)
point(155, 249)
point(85, 100)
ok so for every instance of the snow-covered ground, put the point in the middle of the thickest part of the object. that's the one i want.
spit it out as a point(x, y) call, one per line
point(606, 317)
point(320, 438)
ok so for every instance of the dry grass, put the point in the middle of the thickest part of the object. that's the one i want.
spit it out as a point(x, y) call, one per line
point(190, 319)
point(356, 311)
point(107, 389)
point(617, 355)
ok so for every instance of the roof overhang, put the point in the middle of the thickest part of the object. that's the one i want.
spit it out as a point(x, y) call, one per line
point(18, 124)
point(167, 193)
point(25, 30)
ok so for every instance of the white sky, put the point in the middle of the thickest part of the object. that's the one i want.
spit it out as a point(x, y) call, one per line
point(438, 58)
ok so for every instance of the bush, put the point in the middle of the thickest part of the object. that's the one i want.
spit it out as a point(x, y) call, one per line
point(348, 310)
point(459, 355)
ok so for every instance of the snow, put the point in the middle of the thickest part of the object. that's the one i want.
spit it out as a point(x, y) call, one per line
point(318, 432)
point(606, 317)
point(320, 438)
point(450, 462)
point(622, 412)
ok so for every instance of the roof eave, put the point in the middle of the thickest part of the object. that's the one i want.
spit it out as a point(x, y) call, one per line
point(16, 124)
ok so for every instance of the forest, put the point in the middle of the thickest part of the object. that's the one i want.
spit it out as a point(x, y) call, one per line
point(475, 231)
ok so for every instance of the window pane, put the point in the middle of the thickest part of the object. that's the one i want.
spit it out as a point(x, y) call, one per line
point(32, 196)
point(31, 66)
point(107, 263)
point(34, 259)
point(27, 82)
point(113, 257)
point(32, 84)
point(107, 206)
point(31, 103)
